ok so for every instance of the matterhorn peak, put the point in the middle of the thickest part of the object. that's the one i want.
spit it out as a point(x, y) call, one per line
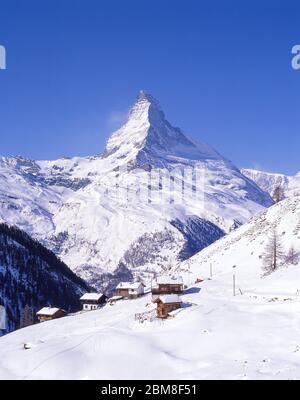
point(147, 137)
point(144, 97)
point(146, 107)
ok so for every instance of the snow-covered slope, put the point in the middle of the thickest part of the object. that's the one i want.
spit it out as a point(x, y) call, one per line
point(31, 276)
point(241, 251)
point(154, 198)
point(268, 181)
point(254, 335)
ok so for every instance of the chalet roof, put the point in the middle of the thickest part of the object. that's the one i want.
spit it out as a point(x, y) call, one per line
point(49, 311)
point(169, 298)
point(129, 285)
point(169, 280)
point(92, 296)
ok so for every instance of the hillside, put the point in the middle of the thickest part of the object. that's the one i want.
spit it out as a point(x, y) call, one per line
point(243, 248)
point(31, 275)
point(253, 335)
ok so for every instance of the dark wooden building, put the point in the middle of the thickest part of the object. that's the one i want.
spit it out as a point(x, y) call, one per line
point(167, 285)
point(49, 313)
point(166, 304)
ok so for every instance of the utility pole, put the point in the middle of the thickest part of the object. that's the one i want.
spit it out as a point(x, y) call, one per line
point(233, 284)
point(233, 281)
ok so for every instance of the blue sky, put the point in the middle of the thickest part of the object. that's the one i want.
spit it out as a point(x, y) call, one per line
point(220, 69)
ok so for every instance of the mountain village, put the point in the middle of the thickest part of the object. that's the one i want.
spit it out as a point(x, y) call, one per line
point(165, 292)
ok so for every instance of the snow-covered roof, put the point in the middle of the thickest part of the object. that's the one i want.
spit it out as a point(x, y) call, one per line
point(169, 298)
point(129, 285)
point(91, 296)
point(48, 311)
point(168, 280)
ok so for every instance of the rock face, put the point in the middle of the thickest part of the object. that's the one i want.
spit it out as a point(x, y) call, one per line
point(152, 199)
point(32, 277)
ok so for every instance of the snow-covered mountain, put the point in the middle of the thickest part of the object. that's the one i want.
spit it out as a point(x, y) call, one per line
point(253, 335)
point(269, 181)
point(32, 276)
point(152, 199)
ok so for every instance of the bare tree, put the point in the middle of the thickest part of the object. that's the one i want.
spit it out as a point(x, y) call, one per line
point(278, 194)
point(293, 256)
point(273, 254)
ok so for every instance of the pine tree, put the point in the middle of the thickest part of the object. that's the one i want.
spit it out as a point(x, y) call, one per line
point(292, 257)
point(273, 254)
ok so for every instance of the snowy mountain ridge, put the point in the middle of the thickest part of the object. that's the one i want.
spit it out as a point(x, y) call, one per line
point(269, 181)
point(152, 199)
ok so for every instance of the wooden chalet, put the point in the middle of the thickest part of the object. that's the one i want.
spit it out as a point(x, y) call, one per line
point(130, 290)
point(167, 285)
point(92, 301)
point(166, 304)
point(49, 313)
